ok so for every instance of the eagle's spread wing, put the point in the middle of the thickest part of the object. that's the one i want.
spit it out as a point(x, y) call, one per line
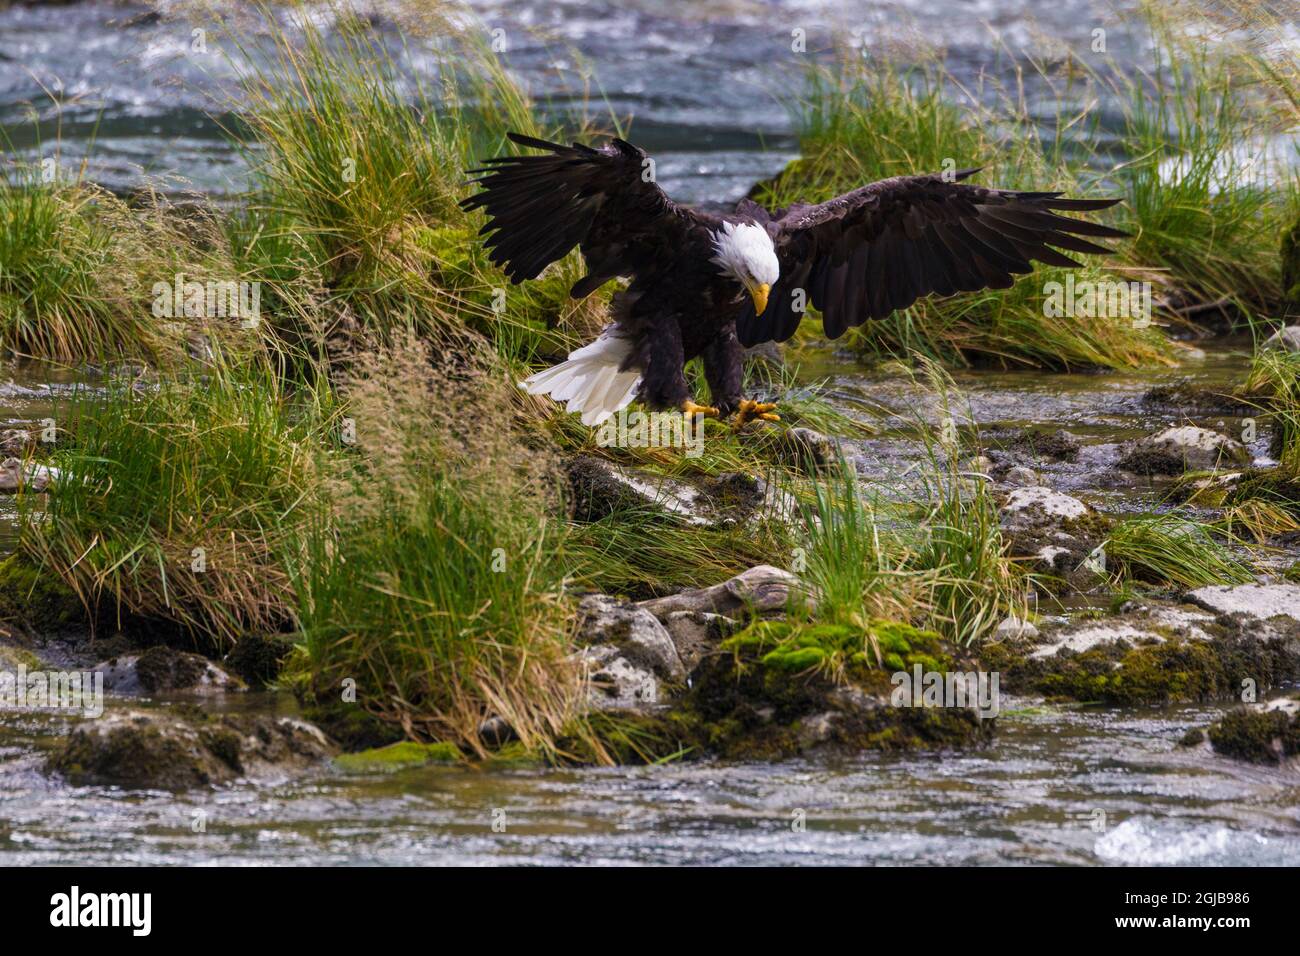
point(540, 207)
point(880, 248)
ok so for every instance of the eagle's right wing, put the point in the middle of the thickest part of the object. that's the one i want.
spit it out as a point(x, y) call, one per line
point(602, 200)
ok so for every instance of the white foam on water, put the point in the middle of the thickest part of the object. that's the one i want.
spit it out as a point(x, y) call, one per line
point(1143, 844)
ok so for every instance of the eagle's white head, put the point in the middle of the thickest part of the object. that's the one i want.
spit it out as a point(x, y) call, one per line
point(745, 253)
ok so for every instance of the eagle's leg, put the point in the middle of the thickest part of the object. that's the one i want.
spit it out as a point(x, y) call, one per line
point(663, 384)
point(724, 367)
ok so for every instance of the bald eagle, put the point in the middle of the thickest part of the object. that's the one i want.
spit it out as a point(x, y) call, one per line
point(703, 284)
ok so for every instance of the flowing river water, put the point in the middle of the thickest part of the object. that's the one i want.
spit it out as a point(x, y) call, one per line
point(1059, 785)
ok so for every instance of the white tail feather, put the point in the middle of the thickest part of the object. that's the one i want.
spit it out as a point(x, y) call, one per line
point(590, 380)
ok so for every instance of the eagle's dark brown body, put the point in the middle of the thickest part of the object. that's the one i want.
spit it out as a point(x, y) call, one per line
point(858, 256)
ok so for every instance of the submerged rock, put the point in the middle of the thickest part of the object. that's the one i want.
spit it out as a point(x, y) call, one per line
point(1187, 397)
point(157, 751)
point(1183, 448)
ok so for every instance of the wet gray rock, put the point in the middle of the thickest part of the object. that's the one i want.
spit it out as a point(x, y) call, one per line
point(1058, 445)
point(760, 589)
point(1285, 339)
point(1183, 448)
point(1145, 625)
point(1039, 507)
point(696, 633)
point(615, 683)
point(1015, 628)
point(14, 475)
point(635, 633)
point(1055, 557)
point(629, 655)
point(1021, 477)
point(164, 670)
point(163, 751)
point(602, 488)
point(1261, 601)
point(1188, 397)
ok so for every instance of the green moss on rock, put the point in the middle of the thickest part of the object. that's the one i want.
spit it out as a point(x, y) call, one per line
point(1273, 485)
point(12, 657)
point(1256, 735)
point(350, 724)
point(37, 600)
point(162, 668)
point(257, 658)
point(780, 688)
point(183, 748)
point(1174, 670)
point(404, 753)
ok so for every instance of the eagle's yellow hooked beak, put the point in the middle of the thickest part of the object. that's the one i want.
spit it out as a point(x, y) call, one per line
point(759, 294)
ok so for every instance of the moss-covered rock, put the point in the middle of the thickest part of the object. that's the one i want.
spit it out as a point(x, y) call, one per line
point(163, 670)
point(1258, 734)
point(37, 600)
point(257, 658)
point(404, 753)
point(780, 688)
point(1141, 659)
point(180, 750)
point(13, 656)
point(1273, 485)
point(1045, 443)
point(354, 727)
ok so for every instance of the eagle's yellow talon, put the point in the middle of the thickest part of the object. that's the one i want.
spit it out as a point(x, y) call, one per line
point(690, 408)
point(750, 409)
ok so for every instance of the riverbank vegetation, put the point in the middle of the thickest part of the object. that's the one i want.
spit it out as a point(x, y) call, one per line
point(352, 467)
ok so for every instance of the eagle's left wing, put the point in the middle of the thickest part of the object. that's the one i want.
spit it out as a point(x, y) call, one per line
point(881, 247)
